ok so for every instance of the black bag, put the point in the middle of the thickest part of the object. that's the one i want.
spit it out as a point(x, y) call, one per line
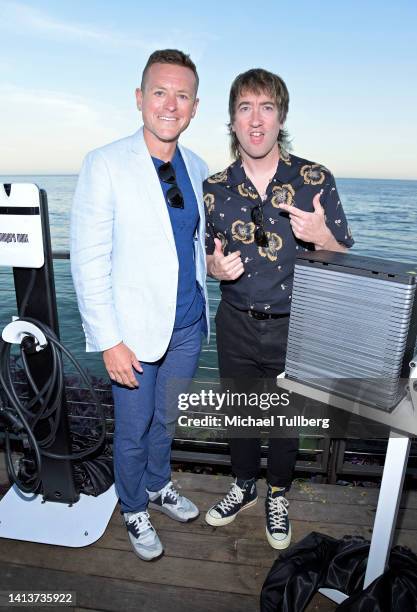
point(320, 561)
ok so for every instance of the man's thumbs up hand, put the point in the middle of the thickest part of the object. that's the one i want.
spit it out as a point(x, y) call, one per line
point(218, 247)
point(224, 268)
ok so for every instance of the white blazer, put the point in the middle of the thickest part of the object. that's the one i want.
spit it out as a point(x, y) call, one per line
point(123, 257)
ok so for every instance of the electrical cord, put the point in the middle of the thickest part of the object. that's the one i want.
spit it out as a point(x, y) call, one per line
point(21, 416)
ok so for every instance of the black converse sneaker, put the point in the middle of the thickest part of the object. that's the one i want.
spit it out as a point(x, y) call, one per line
point(239, 498)
point(278, 527)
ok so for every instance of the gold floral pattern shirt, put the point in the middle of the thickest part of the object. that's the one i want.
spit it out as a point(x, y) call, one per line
point(230, 196)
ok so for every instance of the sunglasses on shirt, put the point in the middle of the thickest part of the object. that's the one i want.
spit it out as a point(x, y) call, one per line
point(257, 216)
point(166, 174)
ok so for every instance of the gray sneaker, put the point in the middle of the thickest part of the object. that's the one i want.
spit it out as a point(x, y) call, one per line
point(143, 536)
point(174, 505)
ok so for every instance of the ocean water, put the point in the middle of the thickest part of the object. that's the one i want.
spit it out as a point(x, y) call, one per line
point(382, 215)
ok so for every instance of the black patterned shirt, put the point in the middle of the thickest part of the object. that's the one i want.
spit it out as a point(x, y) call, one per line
point(229, 197)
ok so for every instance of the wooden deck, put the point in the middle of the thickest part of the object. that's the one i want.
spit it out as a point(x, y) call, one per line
point(204, 569)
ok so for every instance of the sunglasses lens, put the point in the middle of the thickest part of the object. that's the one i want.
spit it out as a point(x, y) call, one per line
point(261, 238)
point(174, 197)
point(166, 173)
point(256, 215)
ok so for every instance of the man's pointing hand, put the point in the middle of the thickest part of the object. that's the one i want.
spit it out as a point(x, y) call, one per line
point(309, 226)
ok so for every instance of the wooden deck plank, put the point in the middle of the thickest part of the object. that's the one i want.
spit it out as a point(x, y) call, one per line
point(175, 571)
point(302, 490)
point(326, 512)
point(215, 546)
point(248, 535)
point(95, 594)
point(319, 603)
point(98, 593)
point(244, 527)
point(322, 509)
point(250, 604)
point(210, 545)
point(85, 610)
point(251, 523)
point(242, 542)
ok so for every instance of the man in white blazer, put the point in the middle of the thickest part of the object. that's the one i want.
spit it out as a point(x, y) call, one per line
point(138, 264)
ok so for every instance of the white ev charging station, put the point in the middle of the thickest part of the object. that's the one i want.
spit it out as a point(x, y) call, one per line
point(50, 510)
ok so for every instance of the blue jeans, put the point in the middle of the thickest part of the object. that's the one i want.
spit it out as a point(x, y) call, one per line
point(145, 419)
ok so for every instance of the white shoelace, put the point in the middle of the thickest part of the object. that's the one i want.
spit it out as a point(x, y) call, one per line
point(141, 522)
point(234, 497)
point(278, 511)
point(170, 491)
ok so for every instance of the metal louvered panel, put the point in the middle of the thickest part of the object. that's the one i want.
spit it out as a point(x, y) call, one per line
point(352, 326)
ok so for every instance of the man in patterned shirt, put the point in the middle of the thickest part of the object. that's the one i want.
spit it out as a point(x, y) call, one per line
point(261, 211)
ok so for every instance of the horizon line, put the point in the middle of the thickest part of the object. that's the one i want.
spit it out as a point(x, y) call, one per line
point(354, 178)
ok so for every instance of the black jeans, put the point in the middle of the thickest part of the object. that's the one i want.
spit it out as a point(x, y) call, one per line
point(248, 350)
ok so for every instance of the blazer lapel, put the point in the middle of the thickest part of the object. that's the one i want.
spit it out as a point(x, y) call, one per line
point(148, 178)
point(195, 178)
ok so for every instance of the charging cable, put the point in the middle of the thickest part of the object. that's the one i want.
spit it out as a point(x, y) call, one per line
point(22, 416)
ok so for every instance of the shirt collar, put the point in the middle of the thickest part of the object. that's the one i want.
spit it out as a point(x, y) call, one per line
point(285, 172)
point(176, 158)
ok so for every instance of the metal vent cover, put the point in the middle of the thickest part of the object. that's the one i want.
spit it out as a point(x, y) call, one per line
point(352, 326)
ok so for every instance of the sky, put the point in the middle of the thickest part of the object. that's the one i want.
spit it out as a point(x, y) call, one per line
point(69, 70)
